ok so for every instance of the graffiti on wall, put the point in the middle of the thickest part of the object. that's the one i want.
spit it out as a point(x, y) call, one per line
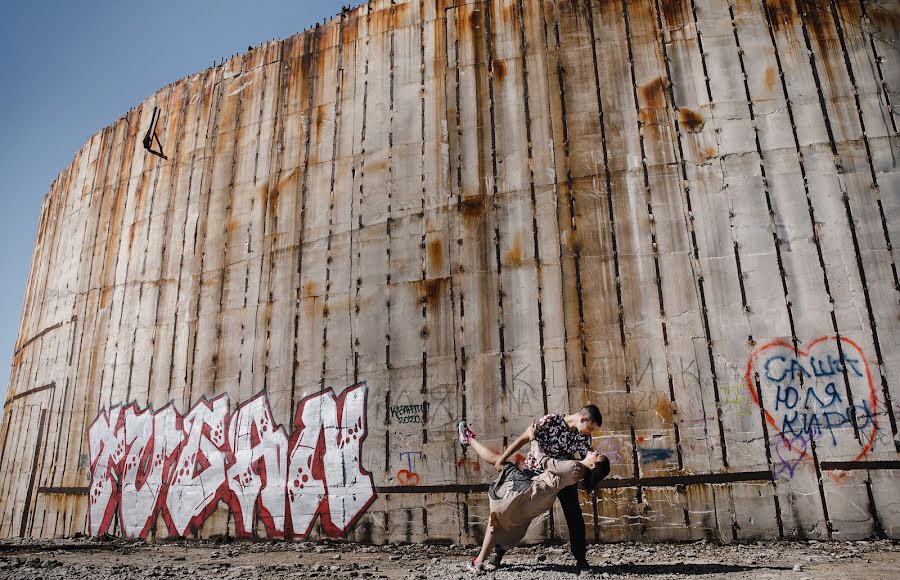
point(147, 463)
point(410, 413)
point(823, 396)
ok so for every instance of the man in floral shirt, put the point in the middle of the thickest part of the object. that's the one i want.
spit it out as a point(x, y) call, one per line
point(560, 437)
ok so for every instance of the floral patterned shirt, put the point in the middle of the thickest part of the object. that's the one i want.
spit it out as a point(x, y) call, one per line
point(556, 440)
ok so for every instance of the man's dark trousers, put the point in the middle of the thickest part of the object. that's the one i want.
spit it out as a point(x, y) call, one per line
point(568, 500)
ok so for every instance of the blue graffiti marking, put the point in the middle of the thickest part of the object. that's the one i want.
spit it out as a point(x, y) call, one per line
point(651, 455)
point(818, 367)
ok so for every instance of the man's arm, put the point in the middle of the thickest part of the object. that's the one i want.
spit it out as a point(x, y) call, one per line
point(522, 439)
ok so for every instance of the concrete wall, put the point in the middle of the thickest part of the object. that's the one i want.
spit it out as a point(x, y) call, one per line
point(680, 210)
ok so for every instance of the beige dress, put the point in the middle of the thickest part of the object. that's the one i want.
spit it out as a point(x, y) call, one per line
point(516, 500)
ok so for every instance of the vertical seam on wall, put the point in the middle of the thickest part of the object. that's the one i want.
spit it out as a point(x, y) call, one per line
point(311, 39)
point(184, 229)
point(565, 159)
point(116, 185)
point(163, 263)
point(64, 393)
point(459, 351)
point(546, 38)
point(6, 482)
point(852, 227)
point(802, 167)
point(652, 221)
point(212, 133)
point(570, 195)
point(423, 240)
point(339, 79)
point(489, 46)
point(388, 223)
point(354, 330)
point(26, 509)
point(267, 255)
point(533, 194)
point(777, 246)
point(620, 306)
point(220, 316)
point(157, 169)
point(87, 293)
point(126, 122)
point(70, 171)
point(249, 243)
point(696, 267)
point(462, 361)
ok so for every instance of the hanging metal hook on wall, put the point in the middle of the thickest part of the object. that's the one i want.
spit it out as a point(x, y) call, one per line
point(151, 135)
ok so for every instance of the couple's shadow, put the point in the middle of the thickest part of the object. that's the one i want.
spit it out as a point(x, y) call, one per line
point(684, 569)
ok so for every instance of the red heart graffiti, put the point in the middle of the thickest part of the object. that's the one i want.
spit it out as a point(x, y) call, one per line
point(873, 398)
point(406, 477)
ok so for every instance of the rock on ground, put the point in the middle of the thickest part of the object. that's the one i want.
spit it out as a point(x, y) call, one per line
point(200, 560)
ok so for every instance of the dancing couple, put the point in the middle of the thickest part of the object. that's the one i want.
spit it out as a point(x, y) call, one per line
point(551, 471)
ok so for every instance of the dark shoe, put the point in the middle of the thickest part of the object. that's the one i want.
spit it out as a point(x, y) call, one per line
point(497, 557)
point(582, 565)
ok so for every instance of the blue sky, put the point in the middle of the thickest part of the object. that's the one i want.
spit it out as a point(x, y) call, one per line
point(74, 67)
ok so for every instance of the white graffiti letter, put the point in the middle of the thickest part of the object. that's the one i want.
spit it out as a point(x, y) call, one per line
point(260, 463)
point(325, 462)
point(150, 440)
point(198, 476)
point(350, 489)
point(107, 447)
point(305, 485)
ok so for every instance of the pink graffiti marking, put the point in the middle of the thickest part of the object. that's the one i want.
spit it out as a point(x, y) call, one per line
point(146, 463)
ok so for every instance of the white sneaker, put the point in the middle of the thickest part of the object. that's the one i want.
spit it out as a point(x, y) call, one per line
point(475, 568)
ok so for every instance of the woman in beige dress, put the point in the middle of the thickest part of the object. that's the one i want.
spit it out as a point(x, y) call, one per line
point(517, 497)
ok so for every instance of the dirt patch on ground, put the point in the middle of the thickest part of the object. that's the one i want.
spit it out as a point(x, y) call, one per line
point(107, 560)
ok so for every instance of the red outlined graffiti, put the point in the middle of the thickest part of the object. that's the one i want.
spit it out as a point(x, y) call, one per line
point(326, 476)
point(805, 397)
point(197, 476)
point(145, 464)
point(150, 439)
point(107, 448)
point(258, 471)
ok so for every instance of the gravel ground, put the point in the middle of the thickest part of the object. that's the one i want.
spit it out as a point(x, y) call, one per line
point(109, 560)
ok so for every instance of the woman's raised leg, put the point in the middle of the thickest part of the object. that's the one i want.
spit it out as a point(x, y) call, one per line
point(468, 438)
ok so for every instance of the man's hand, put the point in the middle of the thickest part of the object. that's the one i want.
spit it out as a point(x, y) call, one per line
point(524, 438)
point(579, 469)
